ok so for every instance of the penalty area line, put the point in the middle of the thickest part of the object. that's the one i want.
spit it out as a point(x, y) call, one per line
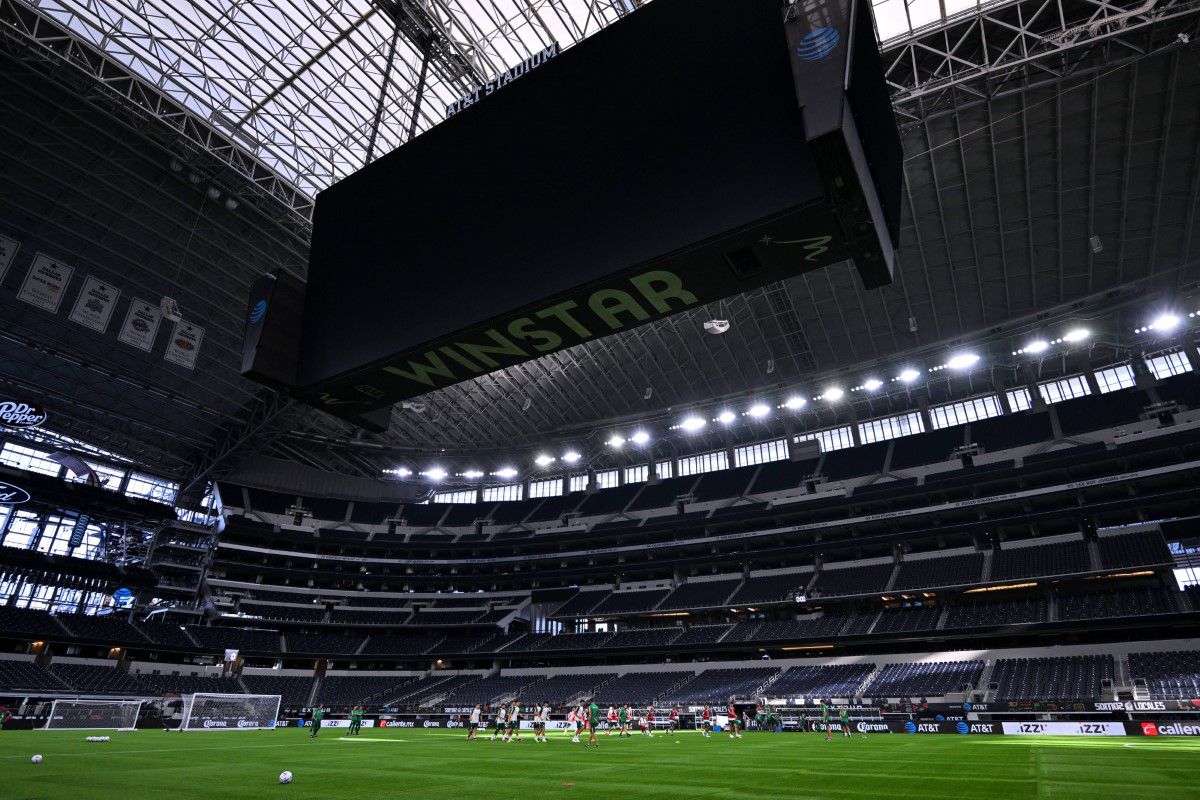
point(367, 739)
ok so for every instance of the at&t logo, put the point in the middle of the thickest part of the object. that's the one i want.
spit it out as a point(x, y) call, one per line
point(818, 44)
point(258, 311)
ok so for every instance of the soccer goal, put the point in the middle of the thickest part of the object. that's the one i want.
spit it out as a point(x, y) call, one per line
point(229, 712)
point(85, 715)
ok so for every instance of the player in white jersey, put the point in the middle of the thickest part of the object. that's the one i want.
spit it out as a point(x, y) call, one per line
point(581, 715)
point(611, 722)
point(513, 731)
point(544, 721)
point(501, 722)
point(473, 725)
point(571, 729)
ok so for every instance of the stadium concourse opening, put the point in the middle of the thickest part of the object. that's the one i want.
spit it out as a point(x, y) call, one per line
point(650, 397)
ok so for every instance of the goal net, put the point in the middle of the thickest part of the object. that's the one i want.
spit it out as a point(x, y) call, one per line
point(78, 715)
point(229, 712)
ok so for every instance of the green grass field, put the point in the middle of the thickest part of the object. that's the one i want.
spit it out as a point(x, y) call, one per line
point(439, 764)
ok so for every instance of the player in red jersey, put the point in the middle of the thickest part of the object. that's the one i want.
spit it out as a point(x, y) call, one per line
point(734, 733)
point(611, 722)
point(707, 717)
point(673, 717)
point(649, 723)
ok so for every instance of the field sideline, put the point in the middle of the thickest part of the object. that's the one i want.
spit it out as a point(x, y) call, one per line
point(433, 765)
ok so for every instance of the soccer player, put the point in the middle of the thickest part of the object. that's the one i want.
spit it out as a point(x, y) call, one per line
point(825, 721)
point(513, 731)
point(473, 725)
point(317, 715)
point(356, 715)
point(544, 720)
point(673, 719)
point(593, 723)
point(581, 721)
point(706, 715)
point(611, 722)
point(623, 721)
point(5, 716)
point(734, 733)
point(570, 729)
point(501, 722)
point(844, 718)
point(648, 725)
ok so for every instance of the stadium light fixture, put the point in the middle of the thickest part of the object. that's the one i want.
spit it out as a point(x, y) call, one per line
point(1076, 335)
point(616, 441)
point(402, 472)
point(1165, 323)
point(1034, 347)
point(963, 361)
point(795, 402)
point(506, 472)
point(472, 474)
point(693, 424)
point(759, 410)
point(909, 375)
point(726, 417)
point(871, 384)
point(833, 394)
point(435, 473)
point(544, 460)
point(571, 456)
point(640, 437)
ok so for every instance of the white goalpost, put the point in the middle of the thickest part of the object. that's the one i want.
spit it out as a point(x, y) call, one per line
point(88, 715)
point(229, 712)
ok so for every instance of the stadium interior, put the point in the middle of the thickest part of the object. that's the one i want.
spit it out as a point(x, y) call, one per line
point(965, 493)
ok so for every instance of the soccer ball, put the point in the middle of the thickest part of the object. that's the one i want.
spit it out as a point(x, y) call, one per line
point(36, 759)
point(285, 777)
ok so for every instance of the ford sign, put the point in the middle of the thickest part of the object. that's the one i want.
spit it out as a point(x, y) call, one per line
point(21, 415)
point(12, 495)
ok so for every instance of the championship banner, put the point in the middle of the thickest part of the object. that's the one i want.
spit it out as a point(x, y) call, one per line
point(8, 251)
point(94, 306)
point(184, 345)
point(141, 325)
point(1063, 728)
point(45, 283)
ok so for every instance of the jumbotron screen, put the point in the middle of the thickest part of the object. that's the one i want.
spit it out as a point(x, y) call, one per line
point(670, 160)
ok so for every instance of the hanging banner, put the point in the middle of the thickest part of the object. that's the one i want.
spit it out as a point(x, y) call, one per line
point(45, 283)
point(184, 346)
point(94, 306)
point(140, 325)
point(8, 251)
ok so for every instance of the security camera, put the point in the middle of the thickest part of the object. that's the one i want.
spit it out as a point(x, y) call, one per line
point(716, 326)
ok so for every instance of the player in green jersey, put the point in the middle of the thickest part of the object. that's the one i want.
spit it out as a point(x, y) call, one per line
point(844, 718)
point(356, 715)
point(622, 721)
point(825, 721)
point(317, 715)
point(593, 721)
